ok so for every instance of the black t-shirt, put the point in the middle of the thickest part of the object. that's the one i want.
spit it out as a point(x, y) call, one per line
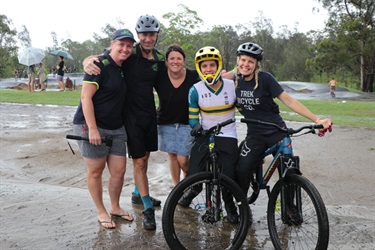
point(259, 104)
point(60, 71)
point(140, 74)
point(110, 96)
point(173, 102)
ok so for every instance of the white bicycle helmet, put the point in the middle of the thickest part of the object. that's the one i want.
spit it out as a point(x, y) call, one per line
point(147, 23)
point(208, 54)
point(251, 49)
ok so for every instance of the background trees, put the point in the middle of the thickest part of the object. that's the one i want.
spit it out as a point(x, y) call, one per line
point(345, 49)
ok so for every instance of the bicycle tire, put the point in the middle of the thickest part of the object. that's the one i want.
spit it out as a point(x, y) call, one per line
point(309, 231)
point(183, 228)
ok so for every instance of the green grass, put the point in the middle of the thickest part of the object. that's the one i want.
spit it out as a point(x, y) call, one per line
point(347, 113)
point(67, 98)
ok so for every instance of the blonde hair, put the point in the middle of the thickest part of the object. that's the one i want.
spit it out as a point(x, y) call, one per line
point(256, 75)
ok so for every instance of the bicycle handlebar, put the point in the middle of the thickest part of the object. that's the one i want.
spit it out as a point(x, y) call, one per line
point(215, 130)
point(289, 131)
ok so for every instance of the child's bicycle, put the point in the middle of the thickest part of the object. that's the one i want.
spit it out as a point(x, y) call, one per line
point(203, 225)
point(296, 214)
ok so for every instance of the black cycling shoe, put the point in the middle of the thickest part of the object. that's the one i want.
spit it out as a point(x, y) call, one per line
point(186, 199)
point(136, 199)
point(149, 219)
point(232, 215)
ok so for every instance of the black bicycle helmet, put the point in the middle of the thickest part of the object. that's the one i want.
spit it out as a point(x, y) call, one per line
point(147, 23)
point(251, 49)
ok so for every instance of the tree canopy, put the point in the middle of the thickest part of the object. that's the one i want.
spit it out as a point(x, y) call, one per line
point(345, 49)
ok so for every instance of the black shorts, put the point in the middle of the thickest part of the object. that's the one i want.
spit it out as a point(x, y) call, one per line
point(227, 155)
point(142, 136)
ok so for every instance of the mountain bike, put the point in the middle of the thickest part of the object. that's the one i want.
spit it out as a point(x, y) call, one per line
point(203, 224)
point(296, 215)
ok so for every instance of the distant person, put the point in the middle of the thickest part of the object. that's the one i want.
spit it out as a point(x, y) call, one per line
point(60, 73)
point(15, 74)
point(31, 77)
point(53, 71)
point(42, 77)
point(332, 86)
point(68, 84)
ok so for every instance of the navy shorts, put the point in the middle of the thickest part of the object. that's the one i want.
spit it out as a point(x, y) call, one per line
point(99, 151)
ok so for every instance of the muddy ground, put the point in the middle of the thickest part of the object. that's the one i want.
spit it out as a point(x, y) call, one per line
point(45, 204)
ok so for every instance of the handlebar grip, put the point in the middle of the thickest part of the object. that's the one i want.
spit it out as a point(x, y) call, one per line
point(75, 137)
point(225, 123)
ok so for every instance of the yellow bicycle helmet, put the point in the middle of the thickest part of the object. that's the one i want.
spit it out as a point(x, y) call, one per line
point(207, 54)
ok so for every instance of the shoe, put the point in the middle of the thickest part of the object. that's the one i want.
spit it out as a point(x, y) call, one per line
point(186, 199)
point(136, 199)
point(232, 215)
point(149, 219)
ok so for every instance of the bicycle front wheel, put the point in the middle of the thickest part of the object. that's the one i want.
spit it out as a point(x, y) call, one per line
point(189, 227)
point(296, 215)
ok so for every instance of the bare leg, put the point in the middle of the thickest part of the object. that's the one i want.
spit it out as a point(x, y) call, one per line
point(117, 169)
point(95, 169)
point(183, 161)
point(174, 168)
point(140, 174)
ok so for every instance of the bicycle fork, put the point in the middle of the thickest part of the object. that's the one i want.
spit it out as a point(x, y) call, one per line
point(213, 190)
point(291, 198)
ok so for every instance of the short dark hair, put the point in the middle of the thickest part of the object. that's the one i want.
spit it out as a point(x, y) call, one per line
point(175, 48)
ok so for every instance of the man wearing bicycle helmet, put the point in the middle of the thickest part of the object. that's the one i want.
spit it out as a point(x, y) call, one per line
point(140, 110)
point(211, 101)
point(255, 91)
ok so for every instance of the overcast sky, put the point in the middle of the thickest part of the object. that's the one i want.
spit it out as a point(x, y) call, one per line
point(78, 20)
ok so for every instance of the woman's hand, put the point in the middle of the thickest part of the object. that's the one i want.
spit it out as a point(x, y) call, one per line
point(327, 124)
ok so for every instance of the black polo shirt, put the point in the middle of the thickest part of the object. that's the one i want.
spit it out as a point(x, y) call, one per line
point(140, 75)
point(110, 96)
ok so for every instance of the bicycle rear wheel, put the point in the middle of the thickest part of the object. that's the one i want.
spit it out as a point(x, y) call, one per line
point(296, 215)
point(188, 228)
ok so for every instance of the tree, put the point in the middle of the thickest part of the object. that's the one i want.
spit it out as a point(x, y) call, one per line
point(24, 37)
point(8, 47)
point(356, 22)
point(225, 39)
point(179, 31)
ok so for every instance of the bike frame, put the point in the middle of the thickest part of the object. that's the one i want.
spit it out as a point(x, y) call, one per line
point(283, 162)
point(213, 167)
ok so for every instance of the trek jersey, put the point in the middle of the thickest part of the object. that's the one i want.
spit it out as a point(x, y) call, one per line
point(213, 107)
point(259, 104)
point(173, 102)
point(140, 74)
point(110, 96)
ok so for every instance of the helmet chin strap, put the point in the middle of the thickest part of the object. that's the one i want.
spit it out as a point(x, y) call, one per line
point(147, 51)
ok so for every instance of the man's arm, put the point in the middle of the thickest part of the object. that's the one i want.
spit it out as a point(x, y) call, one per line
point(89, 66)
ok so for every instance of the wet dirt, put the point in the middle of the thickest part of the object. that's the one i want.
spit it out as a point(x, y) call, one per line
point(45, 203)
